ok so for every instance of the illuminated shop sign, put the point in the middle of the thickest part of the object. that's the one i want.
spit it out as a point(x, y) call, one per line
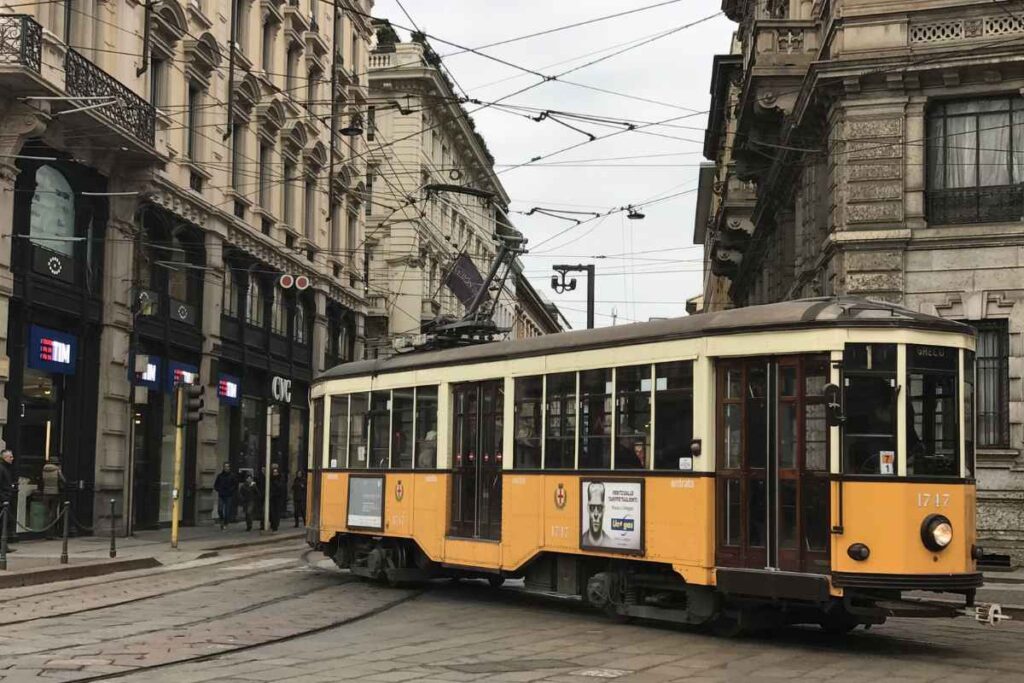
point(228, 389)
point(52, 351)
point(181, 373)
point(149, 376)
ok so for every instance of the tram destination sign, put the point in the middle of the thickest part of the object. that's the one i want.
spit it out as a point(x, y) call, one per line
point(611, 515)
point(365, 502)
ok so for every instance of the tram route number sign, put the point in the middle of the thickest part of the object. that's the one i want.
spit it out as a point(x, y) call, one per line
point(611, 515)
point(365, 502)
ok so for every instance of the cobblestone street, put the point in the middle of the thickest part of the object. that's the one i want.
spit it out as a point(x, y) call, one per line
point(282, 614)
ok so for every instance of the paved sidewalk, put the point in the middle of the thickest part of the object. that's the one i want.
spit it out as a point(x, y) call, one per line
point(38, 561)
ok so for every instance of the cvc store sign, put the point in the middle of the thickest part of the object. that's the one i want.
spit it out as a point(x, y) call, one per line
point(281, 389)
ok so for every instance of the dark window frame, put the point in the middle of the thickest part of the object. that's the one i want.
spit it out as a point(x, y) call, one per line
point(992, 428)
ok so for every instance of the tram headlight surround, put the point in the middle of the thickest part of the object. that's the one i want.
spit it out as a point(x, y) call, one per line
point(936, 532)
point(859, 552)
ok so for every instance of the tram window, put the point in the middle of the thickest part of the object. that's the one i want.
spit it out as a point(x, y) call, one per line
point(491, 423)
point(815, 503)
point(401, 432)
point(426, 427)
point(869, 385)
point(787, 512)
point(969, 412)
point(359, 417)
point(560, 444)
point(816, 371)
point(595, 419)
point(380, 428)
point(633, 412)
point(528, 406)
point(673, 410)
point(339, 431)
point(733, 510)
point(757, 416)
point(757, 509)
point(933, 435)
point(316, 458)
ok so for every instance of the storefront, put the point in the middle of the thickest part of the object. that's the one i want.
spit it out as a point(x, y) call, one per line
point(54, 327)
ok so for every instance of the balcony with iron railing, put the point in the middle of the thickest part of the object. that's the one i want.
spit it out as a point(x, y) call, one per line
point(21, 41)
point(117, 103)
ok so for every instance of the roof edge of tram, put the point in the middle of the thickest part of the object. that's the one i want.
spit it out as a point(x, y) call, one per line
point(842, 311)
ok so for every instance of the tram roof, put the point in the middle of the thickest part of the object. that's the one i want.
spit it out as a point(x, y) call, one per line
point(802, 313)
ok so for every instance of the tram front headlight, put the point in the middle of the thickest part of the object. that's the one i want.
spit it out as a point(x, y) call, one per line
point(936, 532)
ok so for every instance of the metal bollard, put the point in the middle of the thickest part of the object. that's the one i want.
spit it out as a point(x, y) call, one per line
point(4, 511)
point(66, 511)
point(113, 529)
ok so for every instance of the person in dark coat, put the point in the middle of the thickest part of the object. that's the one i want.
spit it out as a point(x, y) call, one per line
point(226, 486)
point(248, 492)
point(261, 480)
point(299, 497)
point(8, 490)
point(278, 496)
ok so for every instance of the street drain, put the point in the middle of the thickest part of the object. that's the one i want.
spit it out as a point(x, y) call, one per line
point(510, 666)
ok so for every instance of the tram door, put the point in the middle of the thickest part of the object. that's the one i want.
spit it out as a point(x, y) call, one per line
point(475, 503)
point(772, 469)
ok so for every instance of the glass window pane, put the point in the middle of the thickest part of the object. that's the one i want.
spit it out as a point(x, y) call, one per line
point(961, 151)
point(787, 435)
point(595, 419)
point(757, 417)
point(357, 431)
point(872, 357)
point(401, 428)
point(529, 398)
point(733, 382)
point(673, 399)
point(380, 428)
point(787, 513)
point(815, 438)
point(559, 450)
point(426, 427)
point(633, 410)
point(969, 411)
point(787, 380)
point(733, 437)
point(870, 406)
point(816, 521)
point(994, 149)
point(756, 512)
point(933, 440)
point(52, 216)
point(732, 512)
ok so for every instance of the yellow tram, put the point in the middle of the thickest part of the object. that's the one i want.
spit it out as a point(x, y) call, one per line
point(801, 462)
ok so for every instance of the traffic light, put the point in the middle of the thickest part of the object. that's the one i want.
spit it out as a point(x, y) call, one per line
point(192, 410)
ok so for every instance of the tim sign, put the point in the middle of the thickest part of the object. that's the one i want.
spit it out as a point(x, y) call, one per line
point(52, 350)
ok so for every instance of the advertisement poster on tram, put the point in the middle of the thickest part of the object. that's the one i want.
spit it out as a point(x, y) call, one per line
point(612, 515)
point(365, 502)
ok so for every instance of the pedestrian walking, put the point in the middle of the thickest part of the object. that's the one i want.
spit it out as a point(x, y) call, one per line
point(260, 480)
point(299, 497)
point(226, 486)
point(248, 492)
point(53, 489)
point(278, 496)
point(8, 491)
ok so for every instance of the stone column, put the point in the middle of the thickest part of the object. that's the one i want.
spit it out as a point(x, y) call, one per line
point(210, 453)
point(18, 124)
point(113, 450)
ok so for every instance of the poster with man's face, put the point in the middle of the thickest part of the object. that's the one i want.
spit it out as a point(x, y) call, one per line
point(611, 515)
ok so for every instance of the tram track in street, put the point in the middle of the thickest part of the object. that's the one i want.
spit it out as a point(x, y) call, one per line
point(149, 575)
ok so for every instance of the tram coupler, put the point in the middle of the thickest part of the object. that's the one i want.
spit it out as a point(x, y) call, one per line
point(990, 614)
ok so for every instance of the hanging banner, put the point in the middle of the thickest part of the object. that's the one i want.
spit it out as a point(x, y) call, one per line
point(180, 373)
point(229, 389)
point(464, 280)
point(51, 350)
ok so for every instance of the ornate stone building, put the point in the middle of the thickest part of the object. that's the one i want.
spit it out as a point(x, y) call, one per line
point(163, 165)
point(435, 198)
point(873, 148)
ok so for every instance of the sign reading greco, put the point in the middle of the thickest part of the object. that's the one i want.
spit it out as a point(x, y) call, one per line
point(611, 515)
point(365, 502)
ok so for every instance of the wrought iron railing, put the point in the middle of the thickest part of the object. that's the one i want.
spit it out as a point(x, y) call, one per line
point(1002, 203)
point(128, 111)
point(21, 41)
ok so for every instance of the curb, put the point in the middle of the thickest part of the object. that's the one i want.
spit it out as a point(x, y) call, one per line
point(34, 576)
point(248, 544)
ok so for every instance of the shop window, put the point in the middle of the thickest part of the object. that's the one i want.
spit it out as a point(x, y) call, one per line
point(528, 407)
point(560, 434)
point(253, 426)
point(633, 414)
point(359, 415)
point(993, 378)
point(299, 329)
point(975, 161)
point(426, 427)
point(933, 434)
point(52, 217)
point(673, 414)
point(869, 384)
point(595, 419)
point(339, 431)
point(279, 313)
point(402, 401)
point(254, 302)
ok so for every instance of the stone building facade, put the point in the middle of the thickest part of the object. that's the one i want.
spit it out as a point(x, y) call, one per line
point(422, 138)
point(874, 148)
point(164, 164)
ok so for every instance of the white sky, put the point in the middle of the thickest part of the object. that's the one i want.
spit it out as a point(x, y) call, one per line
point(675, 69)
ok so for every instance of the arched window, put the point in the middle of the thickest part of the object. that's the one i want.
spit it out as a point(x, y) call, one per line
point(230, 293)
point(279, 313)
point(254, 302)
point(299, 324)
point(52, 219)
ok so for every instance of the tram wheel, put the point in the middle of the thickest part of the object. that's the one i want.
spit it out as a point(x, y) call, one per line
point(727, 626)
point(496, 581)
